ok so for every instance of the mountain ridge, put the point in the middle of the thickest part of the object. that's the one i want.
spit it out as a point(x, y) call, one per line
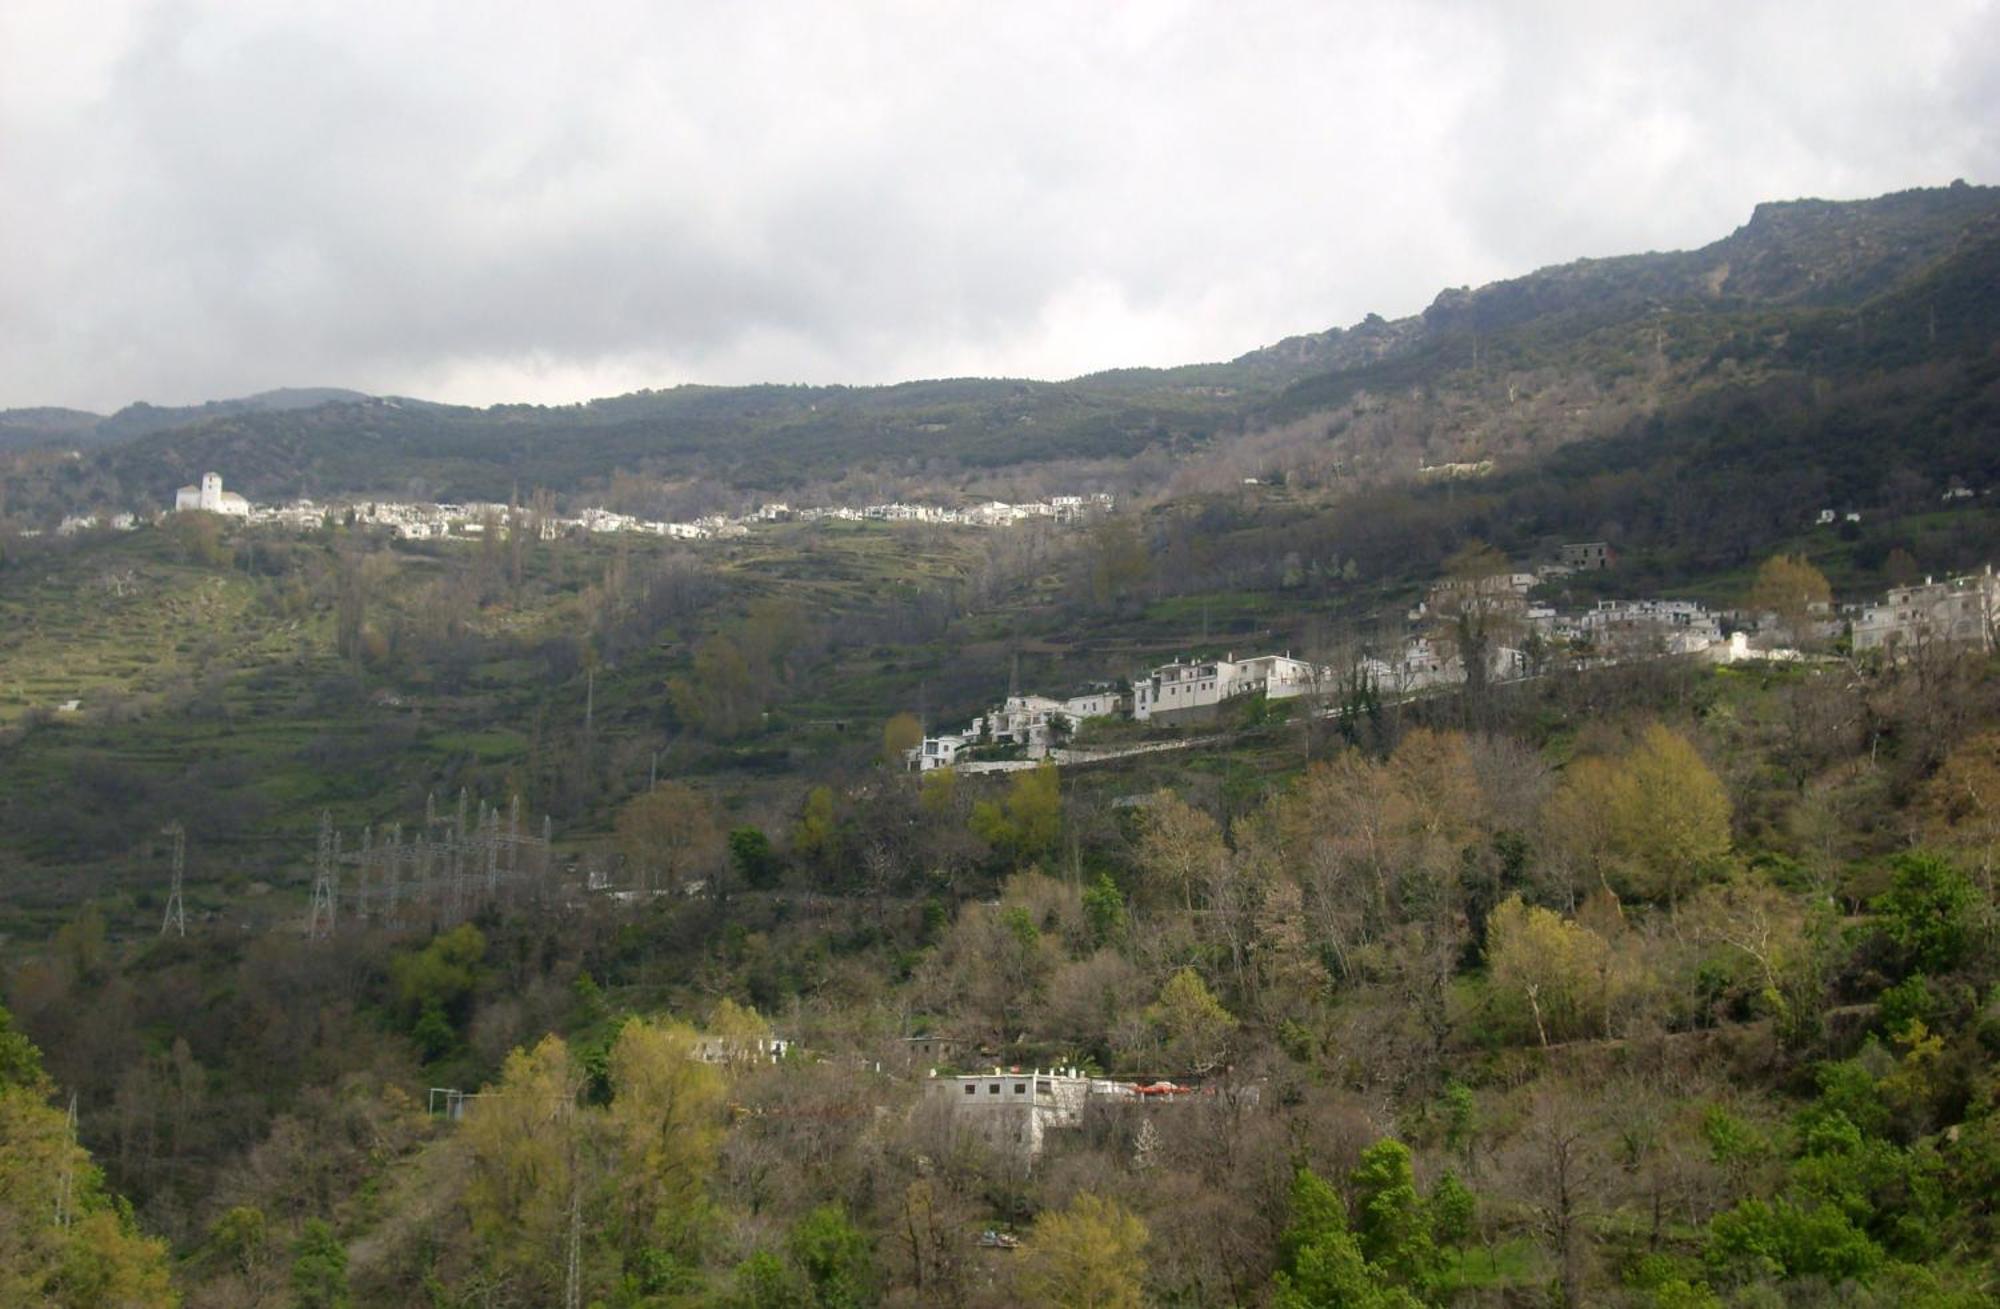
point(1587, 327)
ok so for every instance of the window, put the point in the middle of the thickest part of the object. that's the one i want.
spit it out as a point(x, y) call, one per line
point(1020, 1088)
point(970, 1089)
point(993, 1089)
point(1044, 1088)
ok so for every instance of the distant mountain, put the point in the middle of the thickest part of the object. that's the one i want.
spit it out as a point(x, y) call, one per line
point(22, 429)
point(75, 428)
point(1825, 292)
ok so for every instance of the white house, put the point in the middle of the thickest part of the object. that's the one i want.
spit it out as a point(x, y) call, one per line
point(1101, 703)
point(1962, 610)
point(1180, 686)
point(1025, 719)
point(1013, 1111)
point(1279, 677)
point(209, 497)
point(938, 751)
point(1650, 626)
point(741, 1049)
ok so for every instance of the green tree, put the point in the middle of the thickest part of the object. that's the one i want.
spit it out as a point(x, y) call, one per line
point(835, 1256)
point(720, 697)
point(1460, 1110)
point(817, 831)
point(20, 1061)
point(319, 1269)
point(1927, 912)
point(665, 1124)
point(1551, 964)
point(1651, 825)
point(1672, 814)
point(1085, 1256)
point(937, 793)
point(1391, 1223)
point(1104, 910)
point(1785, 1238)
point(94, 1256)
point(239, 1238)
point(734, 1020)
point(440, 978)
point(1320, 1265)
point(755, 861)
point(1454, 1211)
point(522, 1147)
point(1026, 824)
point(764, 1281)
point(1195, 1026)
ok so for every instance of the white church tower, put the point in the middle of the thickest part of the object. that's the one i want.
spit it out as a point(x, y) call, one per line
point(211, 498)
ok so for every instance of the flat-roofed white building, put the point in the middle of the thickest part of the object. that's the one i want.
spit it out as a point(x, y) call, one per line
point(1961, 610)
point(1279, 677)
point(1649, 626)
point(1181, 686)
point(938, 751)
point(1014, 1111)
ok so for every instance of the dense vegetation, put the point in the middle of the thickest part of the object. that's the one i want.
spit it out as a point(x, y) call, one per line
point(1660, 927)
point(1654, 985)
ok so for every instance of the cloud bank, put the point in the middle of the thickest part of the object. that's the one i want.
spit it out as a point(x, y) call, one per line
point(487, 202)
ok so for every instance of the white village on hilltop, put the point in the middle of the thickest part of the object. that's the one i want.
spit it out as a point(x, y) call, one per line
point(1025, 729)
point(441, 521)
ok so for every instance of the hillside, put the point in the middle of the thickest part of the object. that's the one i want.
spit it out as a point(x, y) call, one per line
point(1633, 980)
point(1839, 291)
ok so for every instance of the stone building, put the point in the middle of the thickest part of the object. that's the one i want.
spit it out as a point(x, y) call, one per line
point(1014, 1111)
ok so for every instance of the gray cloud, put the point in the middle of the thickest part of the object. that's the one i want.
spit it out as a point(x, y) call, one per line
point(487, 202)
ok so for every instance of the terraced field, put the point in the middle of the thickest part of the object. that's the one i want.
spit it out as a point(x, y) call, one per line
point(118, 618)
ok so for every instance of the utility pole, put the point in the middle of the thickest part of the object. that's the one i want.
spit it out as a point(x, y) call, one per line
point(514, 844)
point(176, 917)
point(573, 1276)
point(460, 899)
point(361, 866)
point(492, 852)
point(319, 924)
point(546, 873)
point(395, 867)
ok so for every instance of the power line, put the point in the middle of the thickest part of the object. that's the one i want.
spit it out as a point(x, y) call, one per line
point(176, 916)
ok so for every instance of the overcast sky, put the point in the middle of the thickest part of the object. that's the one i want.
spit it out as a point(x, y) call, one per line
point(484, 201)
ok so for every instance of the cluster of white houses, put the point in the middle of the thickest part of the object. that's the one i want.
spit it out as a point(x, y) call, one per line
point(1032, 722)
point(423, 521)
point(1958, 610)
